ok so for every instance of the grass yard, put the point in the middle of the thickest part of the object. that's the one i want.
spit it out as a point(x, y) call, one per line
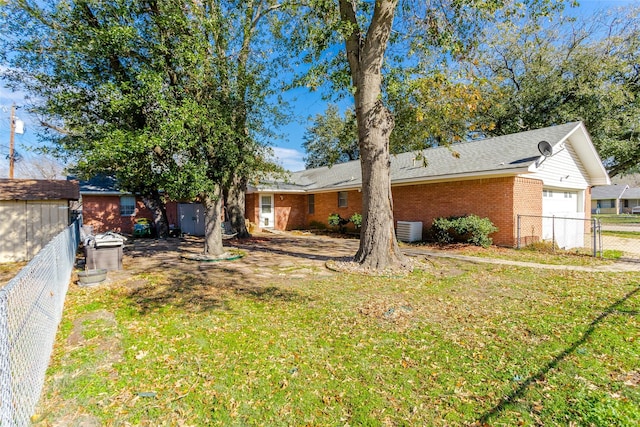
point(459, 344)
point(625, 234)
point(542, 253)
point(618, 219)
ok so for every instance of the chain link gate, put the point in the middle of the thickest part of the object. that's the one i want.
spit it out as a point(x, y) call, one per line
point(561, 232)
point(30, 310)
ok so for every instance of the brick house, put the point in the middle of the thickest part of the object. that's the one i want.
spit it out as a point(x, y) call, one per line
point(33, 212)
point(499, 178)
point(106, 208)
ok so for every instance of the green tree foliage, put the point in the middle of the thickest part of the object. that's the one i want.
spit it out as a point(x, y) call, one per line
point(164, 95)
point(365, 29)
point(331, 139)
point(567, 70)
point(428, 111)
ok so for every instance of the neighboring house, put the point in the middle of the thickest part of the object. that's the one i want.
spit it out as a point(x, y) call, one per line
point(615, 199)
point(32, 212)
point(106, 208)
point(499, 178)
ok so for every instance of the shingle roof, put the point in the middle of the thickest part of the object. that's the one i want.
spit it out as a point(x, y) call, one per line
point(616, 191)
point(38, 189)
point(100, 184)
point(606, 192)
point(503, 154)
point(631, 193)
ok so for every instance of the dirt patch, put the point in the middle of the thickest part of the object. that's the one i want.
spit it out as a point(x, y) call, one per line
point(9, 270)
point(631, 379)
point(395, 311)
point(98, 331)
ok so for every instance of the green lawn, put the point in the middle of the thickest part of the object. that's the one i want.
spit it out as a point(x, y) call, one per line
point(459, 344)
point(618, 219)
point(542, 253)
point(625, 234)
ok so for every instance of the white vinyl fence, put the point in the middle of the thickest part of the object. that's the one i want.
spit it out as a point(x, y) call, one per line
point(30, 310)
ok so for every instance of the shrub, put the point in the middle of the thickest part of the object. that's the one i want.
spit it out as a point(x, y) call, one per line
point(467, 229)
point(336, 221)
point(356, 220)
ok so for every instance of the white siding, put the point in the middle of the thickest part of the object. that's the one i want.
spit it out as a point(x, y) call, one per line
point(562, 170)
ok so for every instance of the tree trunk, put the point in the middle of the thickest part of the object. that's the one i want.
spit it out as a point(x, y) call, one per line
point(156, 205)
point(378, 245)
point(212, 223)
point(365, 52)
point(235, 206)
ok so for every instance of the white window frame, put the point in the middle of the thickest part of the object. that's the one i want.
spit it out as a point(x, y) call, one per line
point(127, 205)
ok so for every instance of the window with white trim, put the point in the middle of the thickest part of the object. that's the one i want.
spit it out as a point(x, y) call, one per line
point(127, 205)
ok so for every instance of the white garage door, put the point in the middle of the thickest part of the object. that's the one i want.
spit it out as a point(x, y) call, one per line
point(558, 202)
point(563, 218)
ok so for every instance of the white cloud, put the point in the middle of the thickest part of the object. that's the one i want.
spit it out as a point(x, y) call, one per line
point(290, 159)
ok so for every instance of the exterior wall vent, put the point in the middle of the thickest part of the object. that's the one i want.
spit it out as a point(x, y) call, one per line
point(409, 231)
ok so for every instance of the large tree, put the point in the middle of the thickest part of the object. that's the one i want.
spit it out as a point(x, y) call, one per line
point(331, 138)
point(436, 109)
point(567, 70)
point(165, 95)
point(423, 30)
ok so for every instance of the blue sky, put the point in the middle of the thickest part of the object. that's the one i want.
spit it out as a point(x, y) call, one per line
point(288, 149)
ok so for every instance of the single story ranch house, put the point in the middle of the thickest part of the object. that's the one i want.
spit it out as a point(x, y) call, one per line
point(615, 199)
point(547, 172)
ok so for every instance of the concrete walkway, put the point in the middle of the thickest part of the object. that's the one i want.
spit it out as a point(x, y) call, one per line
point(341, 247)
point(614, 267)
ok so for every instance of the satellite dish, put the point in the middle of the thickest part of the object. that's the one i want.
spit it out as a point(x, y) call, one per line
point(545, 148)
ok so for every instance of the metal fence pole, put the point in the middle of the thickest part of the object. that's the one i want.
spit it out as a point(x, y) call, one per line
point(6, 385)
point(518, 232)
point(593, 232)
point(553, 233)
point(600, 237)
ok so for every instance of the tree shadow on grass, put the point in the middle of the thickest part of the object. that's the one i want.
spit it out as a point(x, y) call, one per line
point(305, 248)
point(542, 373)
point(198, 290)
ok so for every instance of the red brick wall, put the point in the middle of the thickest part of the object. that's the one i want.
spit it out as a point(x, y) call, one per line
point(251, 208)
point(327, 204)
point(172, 212)
point(290, 211)
point(499, 199)
point(103, 214)
point(587, 209)
point(494, 198)
point(527, 201)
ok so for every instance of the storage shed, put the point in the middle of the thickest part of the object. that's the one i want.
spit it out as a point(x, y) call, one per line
point(32, 212)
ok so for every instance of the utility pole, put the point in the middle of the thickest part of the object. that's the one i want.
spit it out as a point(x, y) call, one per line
point(12, 136)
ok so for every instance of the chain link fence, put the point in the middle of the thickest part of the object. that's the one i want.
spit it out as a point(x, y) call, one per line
point(560, 232)
point(30, 311)
point(621, 236)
